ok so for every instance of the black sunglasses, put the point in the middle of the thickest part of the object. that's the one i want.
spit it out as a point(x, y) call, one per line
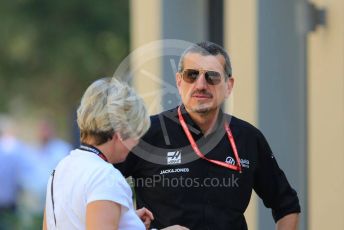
point(191, 75)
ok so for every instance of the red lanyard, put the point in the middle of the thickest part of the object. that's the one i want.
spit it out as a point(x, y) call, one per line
point(236, 167)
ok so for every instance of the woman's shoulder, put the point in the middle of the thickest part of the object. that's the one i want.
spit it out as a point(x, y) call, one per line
point(107, 183)
point(107, 172)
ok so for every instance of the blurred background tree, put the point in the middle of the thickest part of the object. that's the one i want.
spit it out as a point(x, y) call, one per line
point(52, 50)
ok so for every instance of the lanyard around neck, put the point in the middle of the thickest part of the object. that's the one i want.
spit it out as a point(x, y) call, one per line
point(194, 146)
point(92, 149)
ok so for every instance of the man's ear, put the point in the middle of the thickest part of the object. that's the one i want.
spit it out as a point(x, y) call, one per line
point(178, 80)
point(229, 86)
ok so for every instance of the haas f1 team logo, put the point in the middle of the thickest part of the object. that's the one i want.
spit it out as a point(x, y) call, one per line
point(244, 162)
point(174, 158)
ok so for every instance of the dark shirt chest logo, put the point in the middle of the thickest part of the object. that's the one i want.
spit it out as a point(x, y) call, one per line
point(174, 157)
point(244, 162)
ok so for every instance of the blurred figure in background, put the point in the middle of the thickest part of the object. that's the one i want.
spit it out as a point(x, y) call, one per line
point(49, 152)
point(51, 149)
point(16, 167)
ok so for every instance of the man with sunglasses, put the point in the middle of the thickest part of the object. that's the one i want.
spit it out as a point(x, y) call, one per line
point(197, 166)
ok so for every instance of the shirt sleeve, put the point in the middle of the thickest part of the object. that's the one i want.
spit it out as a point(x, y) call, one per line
point(108, 184)
point(271, 184)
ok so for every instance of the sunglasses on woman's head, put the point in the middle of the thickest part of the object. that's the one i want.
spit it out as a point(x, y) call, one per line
point(191, 75)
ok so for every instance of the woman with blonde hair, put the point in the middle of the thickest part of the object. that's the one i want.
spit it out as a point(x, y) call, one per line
point(85, 191)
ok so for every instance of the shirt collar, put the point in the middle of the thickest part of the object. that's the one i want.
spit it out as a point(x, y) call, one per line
point(194, 128)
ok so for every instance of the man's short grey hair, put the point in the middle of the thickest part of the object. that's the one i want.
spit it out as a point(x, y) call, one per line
point(109, 106)
point(207, 48)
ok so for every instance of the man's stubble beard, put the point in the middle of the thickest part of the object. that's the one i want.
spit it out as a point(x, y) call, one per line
point(202, 109)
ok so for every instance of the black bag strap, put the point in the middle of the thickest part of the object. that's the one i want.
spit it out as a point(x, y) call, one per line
point(52, 194)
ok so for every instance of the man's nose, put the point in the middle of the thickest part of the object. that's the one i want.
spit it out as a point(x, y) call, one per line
point(201, 83)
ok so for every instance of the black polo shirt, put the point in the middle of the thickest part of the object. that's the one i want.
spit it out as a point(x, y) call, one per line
point(181, 188)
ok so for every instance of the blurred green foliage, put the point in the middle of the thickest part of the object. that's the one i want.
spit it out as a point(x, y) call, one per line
point(52, 50)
